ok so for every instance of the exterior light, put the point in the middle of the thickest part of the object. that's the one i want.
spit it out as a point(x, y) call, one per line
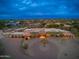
point(42, 37)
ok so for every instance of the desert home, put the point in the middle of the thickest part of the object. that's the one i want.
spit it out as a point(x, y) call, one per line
point(36, 32)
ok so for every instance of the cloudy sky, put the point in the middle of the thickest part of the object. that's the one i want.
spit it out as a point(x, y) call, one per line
point(39, 9)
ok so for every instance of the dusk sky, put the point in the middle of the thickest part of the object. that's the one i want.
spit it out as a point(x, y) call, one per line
point(39, 9)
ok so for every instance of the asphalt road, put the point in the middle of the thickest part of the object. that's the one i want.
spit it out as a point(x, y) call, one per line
point(38, 52)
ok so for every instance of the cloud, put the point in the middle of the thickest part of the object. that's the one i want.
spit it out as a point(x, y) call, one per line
point(9, 8)
point(40, 4)
point(34, 5)
point(26, 1)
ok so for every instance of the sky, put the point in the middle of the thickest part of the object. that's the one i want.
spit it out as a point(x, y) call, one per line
point(39, 9)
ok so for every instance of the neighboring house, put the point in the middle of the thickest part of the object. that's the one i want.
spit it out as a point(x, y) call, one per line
point(67, 27)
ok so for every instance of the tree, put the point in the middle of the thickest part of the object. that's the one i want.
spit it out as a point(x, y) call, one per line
point(52, 26)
